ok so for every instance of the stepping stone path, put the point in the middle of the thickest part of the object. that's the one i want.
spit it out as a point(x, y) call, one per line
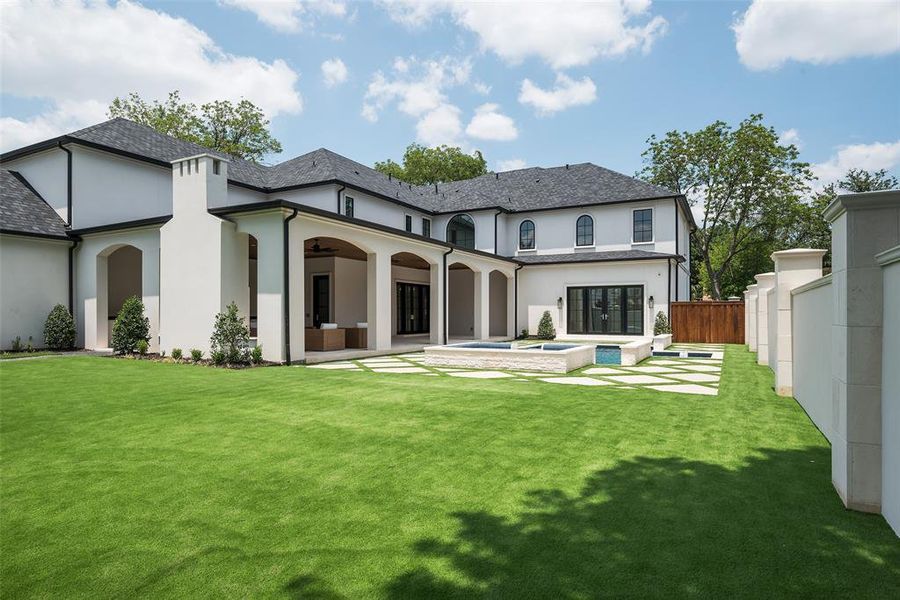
point(692, 376)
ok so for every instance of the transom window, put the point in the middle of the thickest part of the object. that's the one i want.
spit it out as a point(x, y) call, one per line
point(461, 231)
point(526, 235)
point(584, 231)
point(643, 225)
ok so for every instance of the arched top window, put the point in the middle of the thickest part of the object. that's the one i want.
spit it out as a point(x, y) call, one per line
point(526, 235)
point(584, 231)
point(461, 231)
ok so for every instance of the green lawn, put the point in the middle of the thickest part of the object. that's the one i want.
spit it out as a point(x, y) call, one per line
point(140, 479)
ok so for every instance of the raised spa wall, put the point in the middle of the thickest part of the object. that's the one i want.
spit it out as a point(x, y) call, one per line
point(545, 361)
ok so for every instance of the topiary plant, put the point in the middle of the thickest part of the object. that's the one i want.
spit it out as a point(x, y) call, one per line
point(661, 326)
point(130, 326)
point(176, 354)
point(59, 329)
point(231, 336)
point(196, 355)
point(142, 346)
point(256, 356)
point(545, 327)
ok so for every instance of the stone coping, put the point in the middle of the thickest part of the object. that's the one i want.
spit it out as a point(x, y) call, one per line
point(888, 256)
point(815, 283)
point(861, 201)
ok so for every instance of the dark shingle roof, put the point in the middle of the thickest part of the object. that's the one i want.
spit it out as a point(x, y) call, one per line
point(577, 257)
point(22, 210)
point(521, 190)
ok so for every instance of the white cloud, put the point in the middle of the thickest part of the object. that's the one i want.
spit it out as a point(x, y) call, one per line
point(562, 35)
point(511, 165)
point(440, 126)
point(78, 56)
point(771, 33)
point(490, 124)
point(790, 136)
point(418, 89)
point(334, 72)
point(871, 157)
point(566, 93)
point(289, 16)
point(482, 88)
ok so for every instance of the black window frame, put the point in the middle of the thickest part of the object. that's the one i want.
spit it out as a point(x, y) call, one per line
point(426, 227)
point(533, 234)
point(407, 223)
point(579, 315)
point(642, 217)
point(454, 239)
point(579, 233)
point(348, 206)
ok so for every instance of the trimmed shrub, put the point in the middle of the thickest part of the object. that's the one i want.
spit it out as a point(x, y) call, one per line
point(29, 347)
point(661, 326)
point(231, 336)
point(545, 327)
point(17, 344)
point(256, 355)
point(176, 353)
point(218, 357)
point(130, 326)
point(142, 346)
point(59, 329)
point(196, 355)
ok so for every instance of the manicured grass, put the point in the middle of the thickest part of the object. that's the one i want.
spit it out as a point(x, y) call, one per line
point(131, 478)
point(34, 354)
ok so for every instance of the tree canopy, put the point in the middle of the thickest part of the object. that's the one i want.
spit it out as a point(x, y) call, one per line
point(423, 165)
point(238, 129)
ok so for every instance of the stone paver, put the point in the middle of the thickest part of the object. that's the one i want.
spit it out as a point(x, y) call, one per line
point(666, 361)
point(575, 380)
point(702, 368)
point(336, 366)
point(481, 374)
point(652, 369)
point(604, 371)
point(400, 370)
point(642, 379)
point(696, 377)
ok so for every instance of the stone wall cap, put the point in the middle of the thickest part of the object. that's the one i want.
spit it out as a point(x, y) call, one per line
point(800, 252)
point(764, 277)
point(888, 256)
point(862, 201)
point(202, 155)
point(815, 283)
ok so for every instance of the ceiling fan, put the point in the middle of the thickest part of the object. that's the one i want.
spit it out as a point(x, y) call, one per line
point(317, 249)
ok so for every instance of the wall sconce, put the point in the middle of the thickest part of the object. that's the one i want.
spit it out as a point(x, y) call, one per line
point(559, 303)
point(650, 302)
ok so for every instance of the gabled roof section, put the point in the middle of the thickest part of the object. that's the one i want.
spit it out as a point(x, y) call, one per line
point(23, 211)
point(521, 190)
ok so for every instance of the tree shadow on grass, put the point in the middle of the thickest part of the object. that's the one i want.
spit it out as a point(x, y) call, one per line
point(671, 528)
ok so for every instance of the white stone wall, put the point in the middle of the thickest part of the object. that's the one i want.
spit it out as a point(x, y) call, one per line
point(890, 389)
point(811, 306)
point(33, 279)
point(549, 361)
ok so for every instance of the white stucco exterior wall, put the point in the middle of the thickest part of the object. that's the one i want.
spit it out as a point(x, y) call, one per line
point(890, 389)
point(34, 276)
point(46, 172)
point(811, 307)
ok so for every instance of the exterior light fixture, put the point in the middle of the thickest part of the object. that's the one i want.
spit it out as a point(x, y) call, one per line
point(650, 302)
point(559, 303)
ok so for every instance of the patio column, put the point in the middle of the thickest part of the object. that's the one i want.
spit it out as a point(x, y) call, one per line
point(482, 324)
point(436, 305)
point(793, 268)
point(750, 309)
point(511, 307)
point(270, 285)
point(764, 282)
point(378, 290)
point(862, 225)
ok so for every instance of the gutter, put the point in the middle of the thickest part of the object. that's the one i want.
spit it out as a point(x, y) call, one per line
point(287, 286)
point(445, 273)
point(68, 183)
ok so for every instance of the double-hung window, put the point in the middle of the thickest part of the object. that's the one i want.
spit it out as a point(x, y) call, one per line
point(643, 226)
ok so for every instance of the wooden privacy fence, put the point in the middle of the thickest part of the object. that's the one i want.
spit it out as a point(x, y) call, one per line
point(708, 322)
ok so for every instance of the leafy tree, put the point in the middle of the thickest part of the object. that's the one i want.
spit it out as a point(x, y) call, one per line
point(59, 329)
point(423, 165)
point(860, 180)
point(661, 326)
point(748, 186)
point(130, 326)
point(240, 129)
point(231, 337)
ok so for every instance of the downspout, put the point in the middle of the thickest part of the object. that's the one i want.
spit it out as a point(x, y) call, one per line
point(287, 287)
point(676, 249)
point(340, 189)
point(495, 231)
point(68, 184)
point(669, 291)
point(72, 248)
point(446, 319)
point(516, 300)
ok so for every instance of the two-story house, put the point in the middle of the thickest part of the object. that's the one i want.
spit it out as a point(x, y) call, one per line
point(90, 218)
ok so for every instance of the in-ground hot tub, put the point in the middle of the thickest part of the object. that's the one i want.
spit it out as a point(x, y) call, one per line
point(548, 358)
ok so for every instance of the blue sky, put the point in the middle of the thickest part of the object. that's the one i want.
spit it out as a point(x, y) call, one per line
point(577, 83)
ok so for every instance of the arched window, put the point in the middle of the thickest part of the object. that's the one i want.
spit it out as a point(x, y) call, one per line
point(584, 231)
point(461, 231)
point(526, 235)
